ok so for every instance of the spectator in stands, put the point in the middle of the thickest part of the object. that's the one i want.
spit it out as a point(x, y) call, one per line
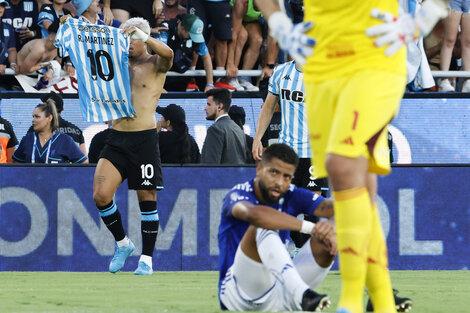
point(185, 37)
point(172, 9)
point(64, 126)
point(459, 18)
point(8, 141)
point(237, 114)
point(22, 15)
point(246, 26)
point(46, 144)
point(50, 14)
point(177, 146)
point(7, 40)
point(36, 53)
point(148, 9)
point(90, 11)
point(97, 143)
point(217, 13)
point(225, 142)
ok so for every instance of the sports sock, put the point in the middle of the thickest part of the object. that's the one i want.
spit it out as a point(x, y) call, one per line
point(148, 226)
point(112, 219)
point(353, 228)
point(123, 243)
point(378, 277)
point(146, 259)
point(275, 257)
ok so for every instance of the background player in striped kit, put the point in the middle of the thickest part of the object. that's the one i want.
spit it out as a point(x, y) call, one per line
point(286, 86)
point(132, 151)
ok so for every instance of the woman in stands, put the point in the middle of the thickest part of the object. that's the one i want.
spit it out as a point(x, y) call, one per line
point(45, 144)
point(177, 146)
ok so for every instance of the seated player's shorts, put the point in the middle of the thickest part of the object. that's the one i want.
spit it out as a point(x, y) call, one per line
point(348, 116)
point(304, 177)
point(462, 6)
point(249, 286)
point(216, 14)
point(136, 155)
point(136, 8)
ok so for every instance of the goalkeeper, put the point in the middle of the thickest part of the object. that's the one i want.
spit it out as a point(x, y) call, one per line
point(354, 81)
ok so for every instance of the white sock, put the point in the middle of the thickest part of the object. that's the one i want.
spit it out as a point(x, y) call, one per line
point(123, 243)
point(146, 259)
point(275, 257)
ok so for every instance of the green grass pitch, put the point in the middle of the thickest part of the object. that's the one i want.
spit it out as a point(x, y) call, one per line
point(431, 291)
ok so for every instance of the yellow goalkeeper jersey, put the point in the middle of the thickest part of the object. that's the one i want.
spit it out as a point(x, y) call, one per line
point(342, 45)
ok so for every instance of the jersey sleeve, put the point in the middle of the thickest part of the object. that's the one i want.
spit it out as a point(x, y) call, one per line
point(74, 154)
point(237, 194)
point(9, 33)
point(45, 15)
point(305, 201)
point(201, 48)
point(20, 153)
point(63, 39)
point(273, 85)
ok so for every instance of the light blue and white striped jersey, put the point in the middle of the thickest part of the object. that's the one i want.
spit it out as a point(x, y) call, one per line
point(287, 83)
point(100, 56)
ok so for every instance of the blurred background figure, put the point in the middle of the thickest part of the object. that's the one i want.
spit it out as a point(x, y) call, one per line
point(8, 141)
point(237, 114)
point(22, 15)
point(177, 146)
point(458, 18)
point(46, 144)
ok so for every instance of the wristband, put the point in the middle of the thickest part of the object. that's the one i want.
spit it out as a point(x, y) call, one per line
point(271, 66)
point(68, 63)
point(12, 63)
point(307, 227)
point(210, 85)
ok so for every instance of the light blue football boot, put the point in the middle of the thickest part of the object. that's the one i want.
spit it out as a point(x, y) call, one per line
point(120, 256)
point(143, 269)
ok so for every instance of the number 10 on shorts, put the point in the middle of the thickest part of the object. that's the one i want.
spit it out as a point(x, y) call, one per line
point(147, 171)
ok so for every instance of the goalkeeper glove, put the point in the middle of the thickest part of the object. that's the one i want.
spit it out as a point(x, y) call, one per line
point(396, 32)
point(292, 38)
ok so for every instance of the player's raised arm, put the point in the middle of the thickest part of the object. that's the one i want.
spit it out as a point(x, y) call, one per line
point(265, 116)
point(164, 61)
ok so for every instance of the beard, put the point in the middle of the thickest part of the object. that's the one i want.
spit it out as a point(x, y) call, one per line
point(265, 193)
point(210, 117)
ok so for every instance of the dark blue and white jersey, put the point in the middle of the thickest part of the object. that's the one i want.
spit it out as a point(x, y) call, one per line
point(60, 148)
point(49, 14)
point(231, 230)
point(24, 14)
point(7, 41)
point(100, 54)
point(287, 83)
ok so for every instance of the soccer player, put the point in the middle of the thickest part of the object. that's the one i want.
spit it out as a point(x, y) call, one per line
point(353, 90)
point(287, 88)
point(256, 271)
point(132, 151)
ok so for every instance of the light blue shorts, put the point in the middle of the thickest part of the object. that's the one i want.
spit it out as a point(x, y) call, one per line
point(462, 6)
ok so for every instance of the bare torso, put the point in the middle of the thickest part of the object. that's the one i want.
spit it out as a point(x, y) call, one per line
point(146, 88)
point(37, 51)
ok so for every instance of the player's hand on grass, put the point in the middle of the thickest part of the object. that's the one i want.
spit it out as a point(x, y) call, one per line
point(396, 32)
point(290, 38)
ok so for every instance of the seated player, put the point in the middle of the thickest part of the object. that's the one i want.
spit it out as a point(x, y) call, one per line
point(256, 271)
